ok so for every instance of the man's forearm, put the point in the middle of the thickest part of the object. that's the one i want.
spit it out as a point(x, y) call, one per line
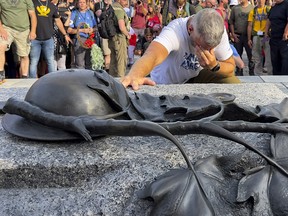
point(60, 26)
point(249, 31)
point(33, 20)
point(67, 22)
point(286, 29)
point(154, 55)
point(143, 66)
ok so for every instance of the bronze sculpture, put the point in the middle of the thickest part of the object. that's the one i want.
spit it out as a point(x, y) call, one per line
point(118, 108)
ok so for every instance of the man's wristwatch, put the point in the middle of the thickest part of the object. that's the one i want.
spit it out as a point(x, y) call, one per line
point(216, 68)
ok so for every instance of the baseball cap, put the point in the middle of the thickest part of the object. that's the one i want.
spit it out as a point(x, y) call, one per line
point(234, 2)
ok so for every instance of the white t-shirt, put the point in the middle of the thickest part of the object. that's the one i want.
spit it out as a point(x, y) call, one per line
point(181, 63)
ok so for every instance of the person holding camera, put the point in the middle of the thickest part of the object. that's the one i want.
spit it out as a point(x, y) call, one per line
point(139, 17)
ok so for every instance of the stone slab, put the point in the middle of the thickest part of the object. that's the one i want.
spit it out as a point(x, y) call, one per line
point(17, 83)
point(250, 79)
point(275, 79)
point(103, 177)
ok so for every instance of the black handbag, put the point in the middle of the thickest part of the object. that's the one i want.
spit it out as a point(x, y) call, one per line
point(61, 49)
point(61, 45)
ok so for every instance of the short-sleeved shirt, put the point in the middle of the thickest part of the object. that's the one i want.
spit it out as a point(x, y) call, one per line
point(239, 18)
point(78, 17)
point(121, 14)
point(14, 14)
point(259, 19)
point(46, 12)
point(278, 17)
point(182, 63)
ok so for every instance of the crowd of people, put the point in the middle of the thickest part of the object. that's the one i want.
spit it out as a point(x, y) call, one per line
point(179, 41)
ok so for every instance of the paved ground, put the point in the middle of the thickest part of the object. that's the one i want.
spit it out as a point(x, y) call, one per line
point(12, 83)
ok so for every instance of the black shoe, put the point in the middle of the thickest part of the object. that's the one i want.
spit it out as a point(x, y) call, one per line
point(239, 72)
point(251, 67)
point(2, 77)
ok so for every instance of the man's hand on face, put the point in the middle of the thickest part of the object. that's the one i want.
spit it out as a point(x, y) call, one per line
point(206, 58)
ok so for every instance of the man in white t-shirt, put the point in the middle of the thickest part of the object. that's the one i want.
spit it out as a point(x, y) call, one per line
point(193, 49)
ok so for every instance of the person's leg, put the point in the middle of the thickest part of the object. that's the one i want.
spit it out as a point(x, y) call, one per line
point(106, 53)
point(131, 55)
point(87, 57)
point(34, 58)
point(22, 43)
point(284, 57)
point(275, 57)
point(4, 46)
point(239, 47)
point(207, 76)
point(257, 55)
point(24, 66)
point(248, 50)
point(113, 62)
point(61, 62)
point(79, 54)
point(267, 64)
point(48, 52)
point(121, 56)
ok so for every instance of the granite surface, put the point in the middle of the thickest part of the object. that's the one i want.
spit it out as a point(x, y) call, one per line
point(103, 177)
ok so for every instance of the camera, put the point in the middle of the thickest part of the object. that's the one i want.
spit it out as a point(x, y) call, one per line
point(139, 2)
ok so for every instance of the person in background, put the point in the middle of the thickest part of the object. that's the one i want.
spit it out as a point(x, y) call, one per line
point(61, 47)
point(211, 4)
point(153, 17)
point(177, 9)
point(98, 8)
point(139, 20)
point(232, 3)
point(194, 49)
point(201, 4)
point(277, 30)
point(85, 17)
point(47, 14)
point(222, 9)
point(256, 28)
point(17, 24)
point(156, 30)
point(118, 44)
point(238, 28)
point(131, 47)
point(144, 42)
point(238, 60)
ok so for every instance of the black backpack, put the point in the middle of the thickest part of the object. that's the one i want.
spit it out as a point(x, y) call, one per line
point(108, 23)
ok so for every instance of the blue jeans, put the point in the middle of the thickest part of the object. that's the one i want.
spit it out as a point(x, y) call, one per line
point(47, 48)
